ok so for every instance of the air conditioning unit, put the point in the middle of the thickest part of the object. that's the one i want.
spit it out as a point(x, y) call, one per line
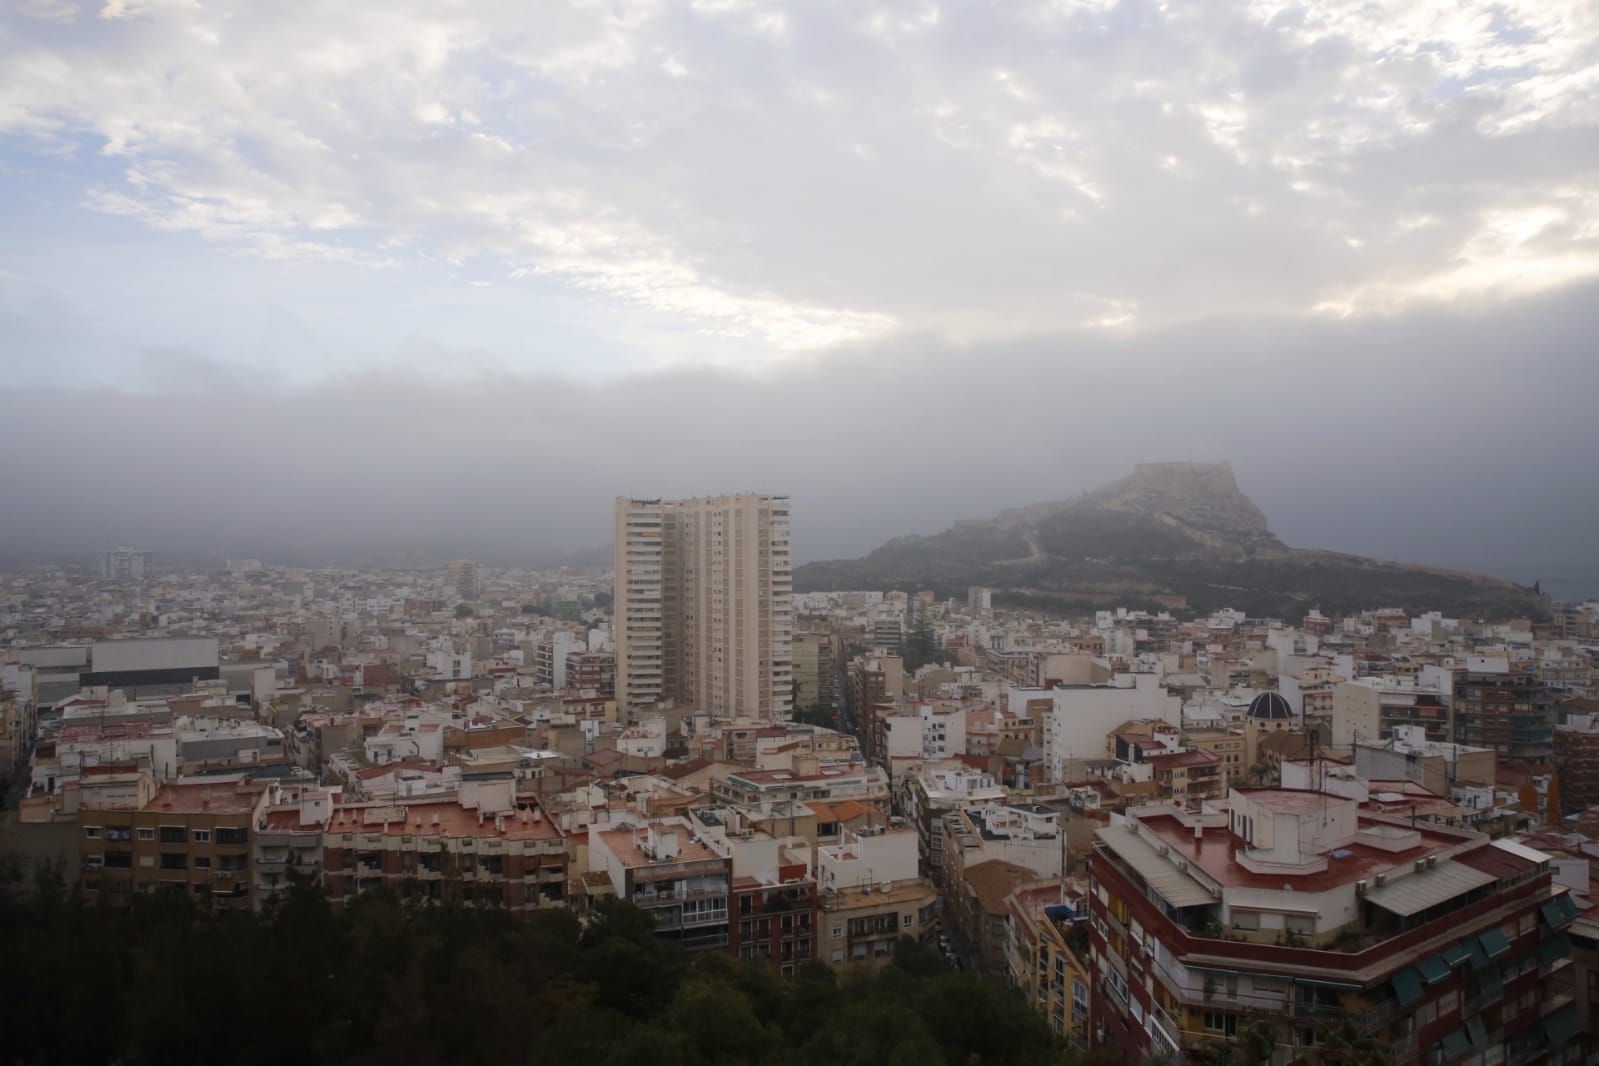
point(1381, 879)
point(1421, 864)
point(1360, 887)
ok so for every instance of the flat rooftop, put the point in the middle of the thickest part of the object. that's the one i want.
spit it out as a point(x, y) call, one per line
point(441, 818)
point(625, 845)
point(1216, 854)
point(202, 798)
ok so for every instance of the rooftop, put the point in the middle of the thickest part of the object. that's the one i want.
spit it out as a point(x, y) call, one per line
point(1216, 853)
point(442, 818)
point(627, 845)
point(219, 797)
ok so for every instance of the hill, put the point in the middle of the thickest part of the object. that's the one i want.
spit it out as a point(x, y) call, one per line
point(1169, 535)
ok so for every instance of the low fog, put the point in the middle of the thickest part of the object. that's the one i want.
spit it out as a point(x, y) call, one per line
point(1454, 439)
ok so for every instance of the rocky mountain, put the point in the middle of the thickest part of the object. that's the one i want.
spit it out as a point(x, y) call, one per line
point(1170, 535)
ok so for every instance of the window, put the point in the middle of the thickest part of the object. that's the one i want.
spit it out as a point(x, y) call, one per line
point(1301, 923)
point(146, 834)
point(173, 834)
point(1448, 1003)
point(174, 860)
point(1247, 920)
point(226, 835)
point(838, 956)
point(838, 932)
point(907, 920)
point(118, 860)
point(92, 832)
point(202, 862)
point(1221, 1022)
point(202, 836)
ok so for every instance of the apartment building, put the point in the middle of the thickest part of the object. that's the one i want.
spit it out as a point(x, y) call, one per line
point(287, 844)
point(1294, 919)
point(1577, 761)
point(815, 682)
point(703, 604)
point(591, 671)
point(126, 564)
point(191, 836)
point(871, 895)
point(460, 580)
point(476, 848)
point(663, 867)
point(1061, 981)
point(1369, 709)
point(1229, 747)
point(1503, 705)
point(552, 658)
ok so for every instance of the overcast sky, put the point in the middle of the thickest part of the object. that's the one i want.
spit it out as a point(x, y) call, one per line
point(447, 277)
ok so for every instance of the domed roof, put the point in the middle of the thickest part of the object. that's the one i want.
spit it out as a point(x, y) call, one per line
point(1271, 706)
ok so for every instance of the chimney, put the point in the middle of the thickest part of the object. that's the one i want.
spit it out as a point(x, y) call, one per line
point(1199, 832)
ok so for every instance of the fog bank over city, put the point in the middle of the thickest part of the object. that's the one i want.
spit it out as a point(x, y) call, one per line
point(1444, 437)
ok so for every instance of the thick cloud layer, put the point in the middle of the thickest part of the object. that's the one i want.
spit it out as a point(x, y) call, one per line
point(406, 279)
point(740, 180)
point(1455, 439)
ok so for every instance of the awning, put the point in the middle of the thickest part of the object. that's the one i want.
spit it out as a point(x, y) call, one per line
point(1407, 987)
point(1477, 1032)
point(1559, 912)
point(1416, 892)
point(1456, 1045)
point(1554, 949)
point(1479, 957)
point(1173, 885)
point(1562, 1025)
point(1456, 954)
point(1434, 969)
point(1493, 941)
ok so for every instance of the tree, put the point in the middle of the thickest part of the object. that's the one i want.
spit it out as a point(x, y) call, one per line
point(383, 980)
point(1258, 1042)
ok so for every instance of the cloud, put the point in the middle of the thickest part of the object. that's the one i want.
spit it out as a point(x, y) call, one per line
point(1435, 435)
point(794, 177)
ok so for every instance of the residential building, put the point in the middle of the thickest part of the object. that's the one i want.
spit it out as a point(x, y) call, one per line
point(664, 867)
point(871, 895)
point(1229, 747)
point(1368, 709)
point(1293, 916)
point(192, 836)
point(703, 602)
point(460, 580)
point(815, 682)
point(1503, 705)
point(126, 564)
point(1577, 761)
point(484, 846)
